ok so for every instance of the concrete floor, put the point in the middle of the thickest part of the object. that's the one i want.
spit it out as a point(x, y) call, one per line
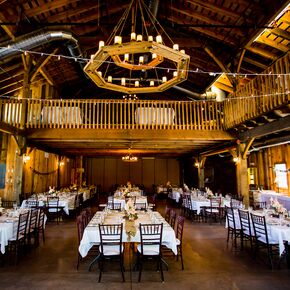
point(209, 264)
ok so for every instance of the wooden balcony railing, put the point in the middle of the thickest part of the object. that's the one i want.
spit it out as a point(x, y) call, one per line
point(267, 91)
point(113, 114)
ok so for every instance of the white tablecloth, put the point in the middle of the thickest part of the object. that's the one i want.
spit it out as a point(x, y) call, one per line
point(139, 199)
point(282, 199)
point(62, 203)
point(91, 233)
point(198, 203)
point(277, 233)
point(8, 227)
point(159, 116)
point(59, 115)
point(175, 194)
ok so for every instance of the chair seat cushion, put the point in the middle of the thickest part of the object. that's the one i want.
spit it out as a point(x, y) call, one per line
point(149, 250)
point(111, 250)
point(213, 210)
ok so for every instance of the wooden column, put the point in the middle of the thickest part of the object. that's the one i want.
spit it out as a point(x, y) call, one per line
point(242, 173)
point(27, 62)
point(201, 162)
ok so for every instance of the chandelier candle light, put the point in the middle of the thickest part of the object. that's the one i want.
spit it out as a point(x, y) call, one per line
point(139, 55)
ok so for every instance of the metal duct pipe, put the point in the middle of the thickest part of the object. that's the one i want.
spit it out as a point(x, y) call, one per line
point(153, 7)
point(33, 40)
point(268, 146)
point(194, 95)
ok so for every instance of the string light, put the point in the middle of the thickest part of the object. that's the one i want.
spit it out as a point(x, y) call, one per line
point(197, 70)
point(204, 101)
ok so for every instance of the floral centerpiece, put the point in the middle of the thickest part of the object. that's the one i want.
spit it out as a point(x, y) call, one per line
point(277, 207)
point(130, 211)
point(51, 191)
point(74, 187)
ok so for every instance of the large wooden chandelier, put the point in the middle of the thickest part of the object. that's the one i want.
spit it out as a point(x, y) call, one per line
point(138, 60)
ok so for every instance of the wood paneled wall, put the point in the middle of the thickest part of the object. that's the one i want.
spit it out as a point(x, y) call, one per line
point(109, 171)
point(42, 171)
point(264, 161)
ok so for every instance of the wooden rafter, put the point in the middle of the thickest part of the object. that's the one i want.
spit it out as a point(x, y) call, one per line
point(224, 87)
point(214, 8)
point(255, 63)
point(39, 65)
point(46, 7)
point(213, 34)
point(260, 51)
point(66, 14)
point(241, 60)
point(220, 64)
point(270, 42)
point(281, 33)
point(191, 14)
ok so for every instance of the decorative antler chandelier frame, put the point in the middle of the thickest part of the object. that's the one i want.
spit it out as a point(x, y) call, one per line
point(149, 53)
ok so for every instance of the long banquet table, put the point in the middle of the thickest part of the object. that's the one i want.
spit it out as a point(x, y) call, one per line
point(8, 226)
point(278, 230)
point(131, 233)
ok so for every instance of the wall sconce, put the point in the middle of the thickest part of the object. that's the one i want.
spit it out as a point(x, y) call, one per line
point(237, 160)
point(196, 164)
point(26, 158)
point(61, 163)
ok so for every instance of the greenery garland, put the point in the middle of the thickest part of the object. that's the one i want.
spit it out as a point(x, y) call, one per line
point(42, 173)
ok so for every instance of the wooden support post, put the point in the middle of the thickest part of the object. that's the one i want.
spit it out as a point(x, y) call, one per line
point(242, 173)
point(27, 62)
point(201, 162)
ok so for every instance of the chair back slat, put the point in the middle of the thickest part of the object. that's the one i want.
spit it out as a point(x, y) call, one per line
point(22, 225)
point(179, 228)
point(260, 227)
point(151, 234)
point(111, 235)
point(245, 222)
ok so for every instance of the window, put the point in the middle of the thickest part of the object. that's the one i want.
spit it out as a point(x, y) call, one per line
point(252, 173)
point(281, 175)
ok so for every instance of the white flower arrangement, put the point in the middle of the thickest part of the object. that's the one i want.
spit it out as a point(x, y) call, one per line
point(130, 210)
point(277, 207)
point(51, 190)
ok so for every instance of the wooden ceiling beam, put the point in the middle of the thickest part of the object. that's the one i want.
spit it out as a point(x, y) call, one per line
point(255, 63)
point(46, 7)
point(66, 14)
point(46, 75)
point(262, 52)
point(224, 87)
point(281, 33)
point(213, 34)
point(40, 64)
point(202, 17)
point(214, 8)
point(282, 124)
point(265, 40)
point(221, 65)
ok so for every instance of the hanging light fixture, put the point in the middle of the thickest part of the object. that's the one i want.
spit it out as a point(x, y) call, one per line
point(141, 49)
point(129, 157)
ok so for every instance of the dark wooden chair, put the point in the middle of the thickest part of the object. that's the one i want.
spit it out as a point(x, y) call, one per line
point(150, 246)
point(16, 244)
point(233, 231)
point(32, 232)
point(262, 239)
point(172, 218)
point(179, 237)
point(53, 210)
point(246, 229)
point(8, 203)
point(41, 224)
point(111, 246)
